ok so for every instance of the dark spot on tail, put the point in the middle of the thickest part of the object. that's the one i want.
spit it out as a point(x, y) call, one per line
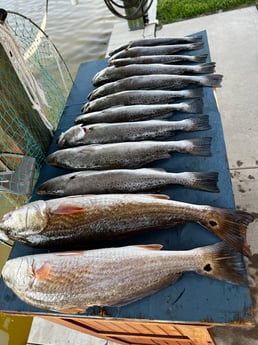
point(207, 268)
point(213, 223)
point(72, 177)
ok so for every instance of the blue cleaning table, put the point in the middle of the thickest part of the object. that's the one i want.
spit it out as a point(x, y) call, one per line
point(181, 313)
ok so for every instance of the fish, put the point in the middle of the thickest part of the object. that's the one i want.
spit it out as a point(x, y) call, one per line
point(125, 181)
point(165, 59)
point(79, 220)
point(156, 81)
point(156, 50)
point(126, 155)
point(113, 73)
point(156, 42)
point(102, 133)
point(140, 112)
point(71, 282)
point(133, 97)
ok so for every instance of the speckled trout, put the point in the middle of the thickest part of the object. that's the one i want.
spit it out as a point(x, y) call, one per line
point(78, 220)
point(125, 155)
point(102, 133)
point(166, 49)
point(125, 181)
point(147, 97)
point(70, 282)
point(166, 59)
point(157, 41)
point(140, 112)
point(113, 73)
point(156, 81)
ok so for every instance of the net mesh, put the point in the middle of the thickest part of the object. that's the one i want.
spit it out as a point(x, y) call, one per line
point(34, 84)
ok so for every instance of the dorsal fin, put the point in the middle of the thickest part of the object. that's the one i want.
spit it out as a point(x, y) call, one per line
point(160, 196)
point(150, 246)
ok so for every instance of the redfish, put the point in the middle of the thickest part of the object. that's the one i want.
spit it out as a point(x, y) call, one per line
point(70, 282)
point(77, 220)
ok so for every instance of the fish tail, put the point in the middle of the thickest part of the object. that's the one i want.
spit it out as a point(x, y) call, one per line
point(197, 38)
point(197, 45)
point(194, 106)
point(222, 262)
point(208, 67)
point(199, 58)
point(200, 123)
point(206, 181)
point(199, 146)
point(213, 80)
point(230, 225)
point(194, 93)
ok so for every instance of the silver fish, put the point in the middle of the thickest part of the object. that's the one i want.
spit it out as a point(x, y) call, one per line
point(113, 73)
point(140, 112)
point(155, 81)
point(133, 97)
point(125, 155)
point(70, 282)
point(75, 221)
point(103, 133)
point(156, 50)
point(157, 41)
point(165, 59)
point(125, 181)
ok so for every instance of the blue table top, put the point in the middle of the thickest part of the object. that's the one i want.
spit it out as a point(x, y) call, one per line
point(193, 298)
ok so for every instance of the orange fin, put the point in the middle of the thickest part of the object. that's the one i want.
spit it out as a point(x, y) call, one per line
point(75, 310)
point(150, 246)
point(67, 209)
point(160, 196)
point(43, 272)
point(77, 253)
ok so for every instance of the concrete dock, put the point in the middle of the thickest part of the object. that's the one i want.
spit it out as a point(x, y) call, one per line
point(233, 46)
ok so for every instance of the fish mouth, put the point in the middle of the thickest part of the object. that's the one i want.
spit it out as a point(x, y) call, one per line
point(3, 236)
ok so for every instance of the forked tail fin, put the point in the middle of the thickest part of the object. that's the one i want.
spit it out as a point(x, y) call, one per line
point(221, 261)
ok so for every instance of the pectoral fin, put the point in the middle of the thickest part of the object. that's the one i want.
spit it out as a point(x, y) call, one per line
point(67, 209)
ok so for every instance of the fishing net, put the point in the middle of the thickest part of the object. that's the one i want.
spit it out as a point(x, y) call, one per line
point(34, 85)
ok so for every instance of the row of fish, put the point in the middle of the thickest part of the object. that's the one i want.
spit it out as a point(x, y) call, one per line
point(118, 133)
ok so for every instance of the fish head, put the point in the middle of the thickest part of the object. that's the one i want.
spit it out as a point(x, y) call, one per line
point(18, 274)
point(72, 137)
point(23, 222)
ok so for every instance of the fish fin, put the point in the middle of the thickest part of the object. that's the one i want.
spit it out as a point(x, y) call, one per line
point(223, 262)
point(206, 181)
point(213, 80)
point(76, 253)
point(194, 106)
point(150, 246)
point(160, 196)
point(43, 272)
point(199, 146)
point(67, 209)
point(208, 67)
point(75, 310)
point(199, 123)
point(195, 93)
point(230, 225)
point(200, 58)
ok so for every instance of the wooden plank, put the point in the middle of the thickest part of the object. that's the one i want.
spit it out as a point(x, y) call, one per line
point(199, 335)
point(78, 326)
